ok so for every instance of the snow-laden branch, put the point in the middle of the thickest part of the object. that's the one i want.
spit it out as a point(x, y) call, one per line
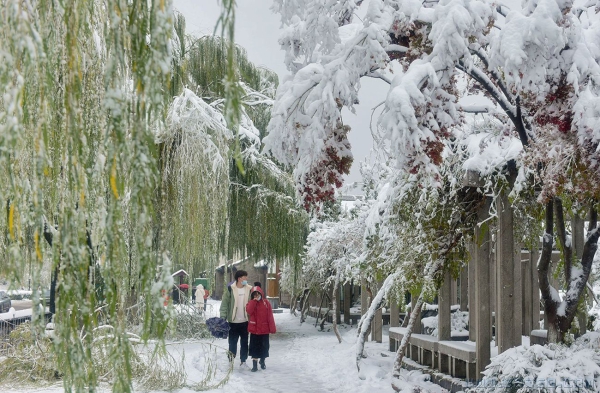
point(480, 76)
point(476, 108)
point(497, 78)
point(262, 193)
point(379, 75)
point(365, 321)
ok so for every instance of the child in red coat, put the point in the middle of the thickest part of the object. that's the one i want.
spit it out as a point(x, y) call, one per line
point(260, 324)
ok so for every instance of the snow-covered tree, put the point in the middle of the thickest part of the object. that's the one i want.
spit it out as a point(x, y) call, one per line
point(533, 70)
point(215, 207)
point(82, 93)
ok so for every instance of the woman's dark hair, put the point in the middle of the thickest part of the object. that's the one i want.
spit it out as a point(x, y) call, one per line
point(257, 284)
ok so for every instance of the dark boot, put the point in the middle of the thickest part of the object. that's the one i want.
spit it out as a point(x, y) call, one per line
point(254, 366)
point(262, 363)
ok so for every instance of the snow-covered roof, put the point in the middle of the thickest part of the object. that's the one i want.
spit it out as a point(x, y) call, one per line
point(180, 272)
point(260, 263)
point(232, 263)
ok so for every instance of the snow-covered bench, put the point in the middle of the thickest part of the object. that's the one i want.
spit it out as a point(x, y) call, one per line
point(539, 337)
point(396, 334)
point(422, 348)
point(457, 359)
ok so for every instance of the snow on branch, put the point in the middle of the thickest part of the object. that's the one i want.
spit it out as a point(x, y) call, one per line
point(365, 321)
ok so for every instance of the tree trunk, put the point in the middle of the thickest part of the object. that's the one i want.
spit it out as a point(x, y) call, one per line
point(320, 307)
point(293, 305)
point(400, 352)
point(305, 306)
point(48, 235)
point(334, 300)
point(365, 321)
point(560, 313)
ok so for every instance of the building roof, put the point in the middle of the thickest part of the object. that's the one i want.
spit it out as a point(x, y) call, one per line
point(179, 273)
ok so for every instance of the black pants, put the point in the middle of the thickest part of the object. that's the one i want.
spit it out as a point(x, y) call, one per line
point(259, 346)
point(239, 331)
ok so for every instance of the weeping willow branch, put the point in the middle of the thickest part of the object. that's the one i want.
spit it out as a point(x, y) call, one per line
point(82, 87)
point(195, 172)
point(264, 217)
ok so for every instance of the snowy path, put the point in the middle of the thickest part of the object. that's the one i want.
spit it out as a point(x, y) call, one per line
point(302, 359)
point(289, 367)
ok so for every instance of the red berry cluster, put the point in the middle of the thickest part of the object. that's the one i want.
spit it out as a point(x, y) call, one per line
point(319, 184)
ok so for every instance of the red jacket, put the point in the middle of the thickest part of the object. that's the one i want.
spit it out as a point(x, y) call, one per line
point(260, 315)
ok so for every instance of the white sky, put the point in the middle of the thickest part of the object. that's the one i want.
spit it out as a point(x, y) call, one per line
point(257, 30)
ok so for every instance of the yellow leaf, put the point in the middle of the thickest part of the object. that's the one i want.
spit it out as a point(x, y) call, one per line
point(113, 179)
point(11, 221)
point(38, 251)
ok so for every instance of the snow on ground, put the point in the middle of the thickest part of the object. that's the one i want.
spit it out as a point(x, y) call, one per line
point(302, 359)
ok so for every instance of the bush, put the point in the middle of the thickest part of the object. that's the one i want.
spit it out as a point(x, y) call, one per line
point(27, 358)
point(550, 368)
point(189, 324)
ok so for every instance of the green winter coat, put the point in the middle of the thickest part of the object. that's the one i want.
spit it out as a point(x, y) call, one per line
point(228, 303)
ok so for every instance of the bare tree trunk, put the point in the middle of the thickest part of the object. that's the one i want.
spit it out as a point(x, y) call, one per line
point(293, 305)
point(400, 352)
point(365, 321)
point(334, 301)
point(320, 307)
point(432, 271)
point(305, 306)
point(560, 313)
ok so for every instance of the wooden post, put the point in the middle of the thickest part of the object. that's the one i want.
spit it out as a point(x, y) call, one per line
point(347, 302)
point(394, 313)
point(527, 290)
point(377, 324)
point(534, 255)
point(578, 240)
point(505, 275)
point(377, 331)
point(338, 305)
point(517, 297)
point(494, 287)
point(364, 297)
point(453, 291)
point(444, 300)
point(471, 291)
point(464, 297)
point(483, 329)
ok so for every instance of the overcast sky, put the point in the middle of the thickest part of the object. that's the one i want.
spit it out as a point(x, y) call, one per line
point(257, 30)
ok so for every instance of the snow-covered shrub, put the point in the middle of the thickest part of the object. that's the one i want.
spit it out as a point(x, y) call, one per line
point(415, 382)
point(459, 322)
point(189, 323)
point(552, 368)
point(26, 359)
